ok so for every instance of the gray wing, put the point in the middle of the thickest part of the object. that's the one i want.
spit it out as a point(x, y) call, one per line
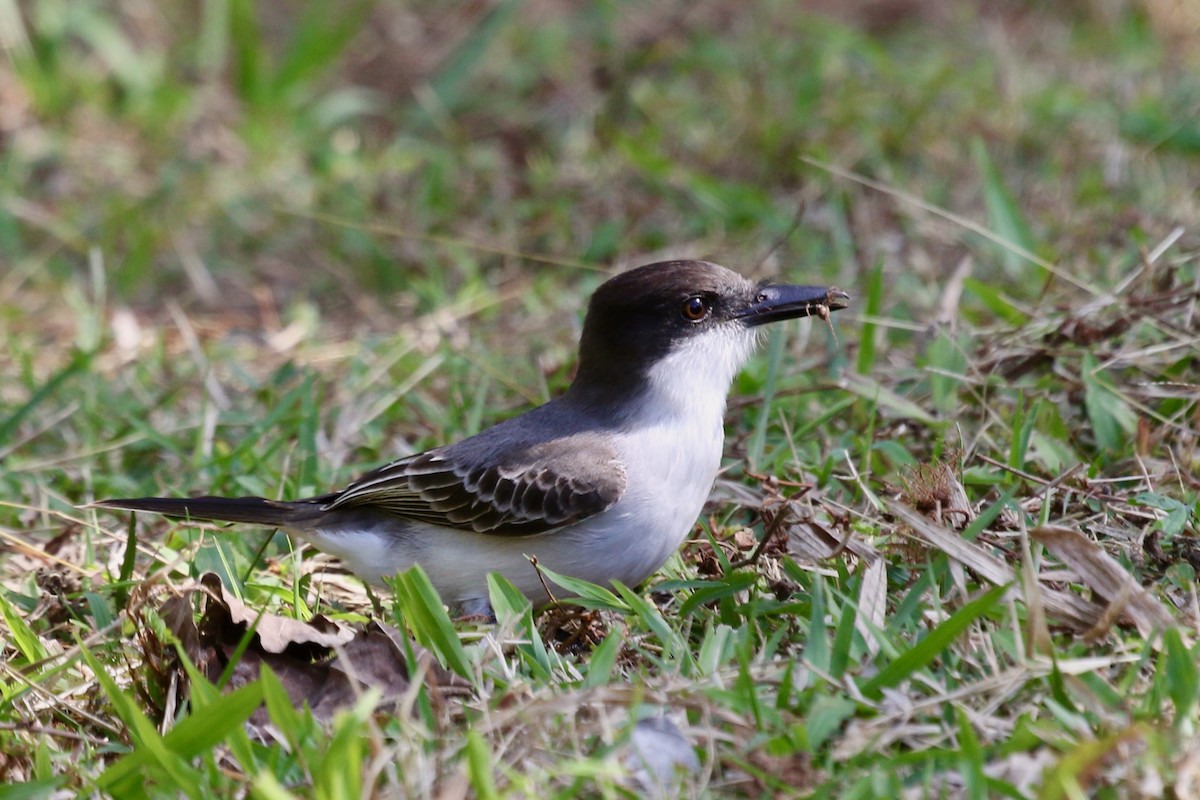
point(530, 489)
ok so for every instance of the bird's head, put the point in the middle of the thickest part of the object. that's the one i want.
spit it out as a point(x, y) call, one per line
point(687, 324)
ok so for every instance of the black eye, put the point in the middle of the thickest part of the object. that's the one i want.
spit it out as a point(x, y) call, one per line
point(695, 309)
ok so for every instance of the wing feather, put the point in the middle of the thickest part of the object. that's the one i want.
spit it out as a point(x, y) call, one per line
point(527, 490)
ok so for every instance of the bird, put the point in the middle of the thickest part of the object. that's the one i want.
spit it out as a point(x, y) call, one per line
point(602, 483)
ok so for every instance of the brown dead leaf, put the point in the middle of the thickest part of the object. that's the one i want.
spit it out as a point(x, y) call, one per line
point(744, 539)
point(705, 558)
point(777, 509)
point(275, 633)
point(176, 612)
point(816, 543)
point(1108, 579)
point(811, 538)
point(320, 663)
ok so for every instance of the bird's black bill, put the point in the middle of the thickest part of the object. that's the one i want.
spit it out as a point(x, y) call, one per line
point(773, 303)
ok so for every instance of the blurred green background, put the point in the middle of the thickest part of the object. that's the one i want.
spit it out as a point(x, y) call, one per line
point(366, 154)
point(259, 247)
point(266, 193)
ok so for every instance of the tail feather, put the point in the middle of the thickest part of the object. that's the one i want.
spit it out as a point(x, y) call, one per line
point(258, 510)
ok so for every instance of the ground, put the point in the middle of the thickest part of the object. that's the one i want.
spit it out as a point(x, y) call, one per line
point(259, 248)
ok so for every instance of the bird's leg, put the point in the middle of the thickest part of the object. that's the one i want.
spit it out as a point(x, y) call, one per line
point(376, 606)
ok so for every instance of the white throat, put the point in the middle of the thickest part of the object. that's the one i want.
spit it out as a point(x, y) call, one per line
point(691, 383)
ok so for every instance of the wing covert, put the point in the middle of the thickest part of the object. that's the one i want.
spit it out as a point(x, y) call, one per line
point(528, 490)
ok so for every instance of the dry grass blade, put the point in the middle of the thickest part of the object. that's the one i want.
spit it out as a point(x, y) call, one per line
point(1038, 638)
point(987, 566)
point(1063, 606)
point(872, 603)
point(222, 302)
point(813, 541)
point(1106, 578)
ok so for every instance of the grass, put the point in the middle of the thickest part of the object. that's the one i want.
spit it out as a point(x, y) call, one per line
point(249, 248)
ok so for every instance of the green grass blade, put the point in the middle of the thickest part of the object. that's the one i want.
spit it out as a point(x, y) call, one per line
point(279, 411)
point(705, 592)
point(758, 440)
point(479, 767)
point(989, 514)
point(1004, 215)
point(994, 300)
point(1178, 665)
point(586, 594)
point(674, 646)
point(875, 392)
point(23, 636)
point(602, 660)
point(425, 616)
point(78, 363)
point(1022, 426)
point(249, 50)
point(279, 706)
point(512, 607)
point(33, 790)
point(872, 309)
point(1111, 417)
point(934, 644)
point(826, 715)
point(946, 360)
point(126, 777)
point(320, 38)
point(843, 640)
point(816, 646)
point(266, 786)
point(971, 759)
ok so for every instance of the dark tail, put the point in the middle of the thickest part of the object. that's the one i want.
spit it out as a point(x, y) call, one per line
point(258, 510)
